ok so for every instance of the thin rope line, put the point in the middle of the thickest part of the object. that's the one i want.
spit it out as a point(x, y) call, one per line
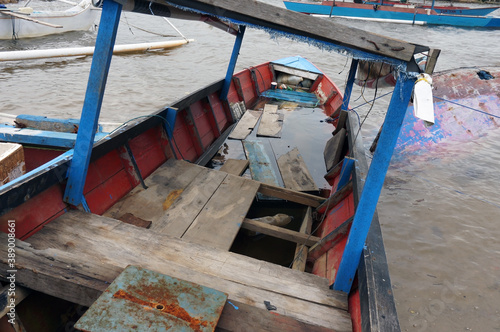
point(471, 108)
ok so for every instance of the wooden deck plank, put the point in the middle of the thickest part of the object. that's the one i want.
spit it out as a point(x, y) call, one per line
point(235, 166)
point(245, 125)
point(149, 204)
point(294, 172)
point(300, 258)
point(271, 122)
point(183, 212)
point(125, 244)
point(221, 219)
point(261, 166)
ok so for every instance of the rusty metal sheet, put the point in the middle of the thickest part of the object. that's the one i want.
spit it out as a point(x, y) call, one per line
point(144, 300)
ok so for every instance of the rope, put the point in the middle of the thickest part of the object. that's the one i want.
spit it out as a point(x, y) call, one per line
point(471, 108)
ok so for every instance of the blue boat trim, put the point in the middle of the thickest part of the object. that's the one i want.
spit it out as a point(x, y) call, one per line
point(299, 63)
point(300, 97)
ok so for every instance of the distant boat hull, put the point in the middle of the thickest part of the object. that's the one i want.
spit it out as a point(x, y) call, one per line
point(80, 17)
point(417, 16)
point(452, 10)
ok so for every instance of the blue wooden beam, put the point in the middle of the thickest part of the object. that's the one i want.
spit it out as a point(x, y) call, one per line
point(373, 184)
point(232, 63)
point(108, 26)
point(349, 84)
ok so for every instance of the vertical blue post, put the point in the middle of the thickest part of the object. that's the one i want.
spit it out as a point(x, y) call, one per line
point(349, 85)
point(232, 63)
point(108, 26)
point(373, 184)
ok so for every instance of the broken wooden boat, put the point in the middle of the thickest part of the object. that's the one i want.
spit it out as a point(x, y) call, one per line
point(142, 228)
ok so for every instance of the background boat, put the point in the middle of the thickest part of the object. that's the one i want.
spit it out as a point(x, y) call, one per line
point(441, 9)
point(27, 24)
point(415, 16)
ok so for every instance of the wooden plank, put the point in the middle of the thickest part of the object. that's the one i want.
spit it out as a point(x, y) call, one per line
point(10, 295)
point(333, 173)
point(294, 172)
point(245, 125)
point(299, 261)
point(150, 204)
point(271, 17)
point(221, 218)
point(238, 316)
point(335, 198)
point(290, 195)
point(333, 149)
point(329, 241)
point(75, 232)
point(431, 61)
point(341, 122)
point(71, 270)
point(183, 212)
point(261, 166)
point(271, 122)
point(279, 232)
point(235, 166)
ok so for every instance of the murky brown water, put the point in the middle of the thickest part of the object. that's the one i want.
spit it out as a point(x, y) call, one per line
point(440, 213)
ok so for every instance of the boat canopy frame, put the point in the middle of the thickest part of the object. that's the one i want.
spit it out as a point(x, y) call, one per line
point(359, 44)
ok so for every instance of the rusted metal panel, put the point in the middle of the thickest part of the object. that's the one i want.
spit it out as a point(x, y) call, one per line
point(144, 300)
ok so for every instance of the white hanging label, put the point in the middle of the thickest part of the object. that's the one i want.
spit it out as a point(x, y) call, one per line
point(422, 99)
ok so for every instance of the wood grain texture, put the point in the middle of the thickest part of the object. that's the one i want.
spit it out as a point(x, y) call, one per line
point(235, 166)
point(280, 232)
point(333, 149)
point(300, 258)
point(271, 122)
point(294, 172)
point(245, 125)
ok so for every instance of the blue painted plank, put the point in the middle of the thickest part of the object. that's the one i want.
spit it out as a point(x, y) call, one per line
point(108, 26)
point(298, 62)
point(345, 172)
point(50, 124)
point(40, 137)
point(303, 98)
point(373, 184)
point(232, 63)
point(144, 300)
point(349, 84)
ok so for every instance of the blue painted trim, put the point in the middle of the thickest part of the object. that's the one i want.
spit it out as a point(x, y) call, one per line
point(85, 205)
point(302, 98)
point(373, 184)
point(108, 26)
point(63, 125)
point(345, 172)
point(40, 169)
point(349, 84)
point(171, 117)
point(232, 63)
point(40, 137)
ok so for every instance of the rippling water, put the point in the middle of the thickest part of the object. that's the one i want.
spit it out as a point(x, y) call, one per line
point(439, 212)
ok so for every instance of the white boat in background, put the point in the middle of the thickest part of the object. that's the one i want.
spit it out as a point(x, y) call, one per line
point(26, 23)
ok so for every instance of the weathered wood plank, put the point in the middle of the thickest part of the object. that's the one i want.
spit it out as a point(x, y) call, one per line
point(164, 184)
point(300, 258)
point(294, 172)
point(108, 239)
point(290, 195)
point(91, 246)
point(235, 166)
point(274, 18)
point(261, 166)
point(238, 316)
point(333, 149)
point(329, 241)
point(271, 122)
point(279, 232)
point(335, 198)
point(221, 218)
point(182, 213)
point(245, 125)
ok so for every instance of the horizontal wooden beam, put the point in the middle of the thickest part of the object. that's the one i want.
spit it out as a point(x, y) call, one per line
point(291, 195)
point(329, 241)
point(279, 232)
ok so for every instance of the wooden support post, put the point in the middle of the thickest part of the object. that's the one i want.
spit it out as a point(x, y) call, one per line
point(101, 60)
point(232, 63)
point(335, 199)
point(299, 262)
point(349, 84)
point(374, 182)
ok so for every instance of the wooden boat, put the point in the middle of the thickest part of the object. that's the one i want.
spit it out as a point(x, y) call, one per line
point(449, 9)
point(27, 23)
point(391, 14)
point(182, 265)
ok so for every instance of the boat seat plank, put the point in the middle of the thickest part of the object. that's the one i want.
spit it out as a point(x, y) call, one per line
point(189, 203)
point(83, 239)
point(221, 218)
point(245, 125)
point(294, 172)
point(235, 166)
point(271, 122)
